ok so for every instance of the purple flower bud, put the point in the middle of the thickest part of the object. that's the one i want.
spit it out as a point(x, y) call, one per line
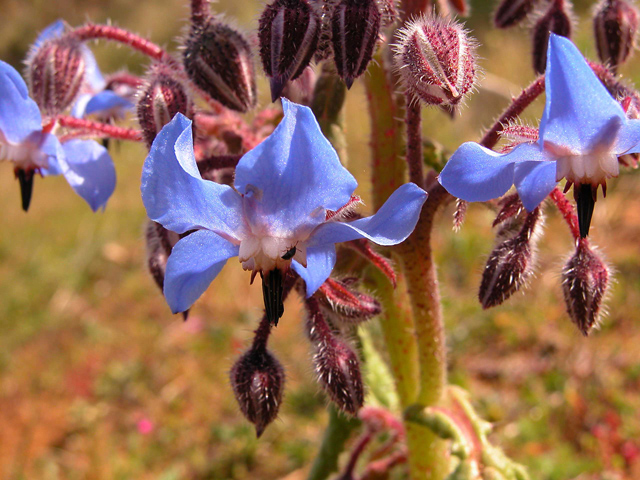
point(556, 20)
point(288, 34)
point(160, 99)
point(510, 264)
point(55, 72)
point(257, 379)
point(218, 60)
point(585, 279)
point(436, 60)
point(512, 12)
point(615, 24)
point(355, 26)
point(335, 362)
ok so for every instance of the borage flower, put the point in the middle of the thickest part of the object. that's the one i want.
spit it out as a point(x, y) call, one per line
point(583, 131)
point(277, 216)
point(86, 165)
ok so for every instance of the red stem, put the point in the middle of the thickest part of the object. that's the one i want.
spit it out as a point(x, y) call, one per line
point(414, 141)
point(92, 31)
point(567, 211)
point(99, 128)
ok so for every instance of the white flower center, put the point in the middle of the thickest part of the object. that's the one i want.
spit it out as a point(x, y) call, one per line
point(25, 155)
point(265, 253)
point(593, 168)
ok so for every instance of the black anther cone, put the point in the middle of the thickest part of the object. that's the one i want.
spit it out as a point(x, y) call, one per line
point(26, 187)
point(272, 293)
point(586, 200)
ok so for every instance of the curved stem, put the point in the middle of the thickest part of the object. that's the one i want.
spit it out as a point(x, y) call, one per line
point(92, 31)
point(567, 211)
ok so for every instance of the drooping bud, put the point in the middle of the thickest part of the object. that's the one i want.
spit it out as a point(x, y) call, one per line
point(436, 60)
point(55, 73)
point(585, 279)
point(348, 305)
point(218, 60)
point(335, 362)
point(160, 100)
point(288, 34)
point(510, 264)
point(355, 26)
point(556, 20)
point(257, 379)
point(512, 12)
point(615, 25)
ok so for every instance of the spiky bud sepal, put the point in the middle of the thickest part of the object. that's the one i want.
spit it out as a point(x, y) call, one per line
point(615, 26)
point(347, 305)
point(436, 60)
point(288, 33)
point(585, 279)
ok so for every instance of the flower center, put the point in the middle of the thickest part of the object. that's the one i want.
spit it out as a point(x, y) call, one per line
point(266, 253)
point(592, 168)
point(24, 155)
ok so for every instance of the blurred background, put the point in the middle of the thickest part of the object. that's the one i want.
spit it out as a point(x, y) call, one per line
point(99, 381)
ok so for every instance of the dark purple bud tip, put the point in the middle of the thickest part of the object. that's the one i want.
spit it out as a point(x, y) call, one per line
point(585, 279)
point(272, 290)
point(585, 195)
point(55, 72)
point(218, 60)
point(355, 26)
point(25, 178)
point(257, 379)
point(556, 20)
point(160, 242)
point(288, 32)
point(512, 12)
point(615, 25)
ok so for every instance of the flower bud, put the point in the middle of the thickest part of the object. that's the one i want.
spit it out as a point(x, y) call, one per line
point(355, 26)
point(585, 279)
point(348, 305)
point(160, 242)
point(512, 12)
point(160, 100)
point(257, 379)
point(556, 20)
point(288, 34)
point(55, 72)
point(436, 61)
point(510, 264)
point(615, 24)
point(388, 12)
point(218, 60)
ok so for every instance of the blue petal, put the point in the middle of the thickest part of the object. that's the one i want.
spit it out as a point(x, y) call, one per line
point(19, 114)
point(392, 224)
point(79, 107)
point(174, 193)
point(55, 30)
point(106, 100)
point(89, 170)
point(578, 106)
point(628, 139)
point(534, 181)
point(320, 262)
point(51, 147)
point(92, 74)
point(294, 174)
point(193, 264)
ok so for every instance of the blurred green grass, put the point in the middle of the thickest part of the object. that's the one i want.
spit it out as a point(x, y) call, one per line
point(99, 381)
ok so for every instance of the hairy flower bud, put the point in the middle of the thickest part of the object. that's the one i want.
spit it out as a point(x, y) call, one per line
point(512, 12)
point(288, 33)
point(436, 60)
point(55, 72)
point(585, 279)
point(218, 60)
point(615, 25)
point(257, 379)
point(160, 99)
point(355, 26)
point(556, 20)
point(510, 264)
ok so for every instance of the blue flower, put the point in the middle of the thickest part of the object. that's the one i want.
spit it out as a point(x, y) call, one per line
point(84, 163)
point(283, 190)
point(583, 130)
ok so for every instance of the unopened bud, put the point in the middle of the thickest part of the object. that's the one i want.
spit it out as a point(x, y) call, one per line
point(288, 34)
point(510, 265)
point(355, 26)
point(615, 24)
point(556, 20)
point(436, 60)
point(388, 12)
point(160, 100)
point(585, 279)
point(348, 305)
point(55, 74)
point(257, 379)
point(218, 60)
point(512, 12)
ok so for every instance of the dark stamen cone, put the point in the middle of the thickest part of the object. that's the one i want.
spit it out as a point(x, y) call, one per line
point(272, 294)
point(585, 196)
point(25, 178)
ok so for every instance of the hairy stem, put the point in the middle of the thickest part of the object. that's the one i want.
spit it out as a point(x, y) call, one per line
point(414, 141)
point(100, 129)
point(91, 31)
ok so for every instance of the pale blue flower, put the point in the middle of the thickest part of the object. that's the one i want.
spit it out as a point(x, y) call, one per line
point(85, 164)
point(583, 130)
point(283, 190)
